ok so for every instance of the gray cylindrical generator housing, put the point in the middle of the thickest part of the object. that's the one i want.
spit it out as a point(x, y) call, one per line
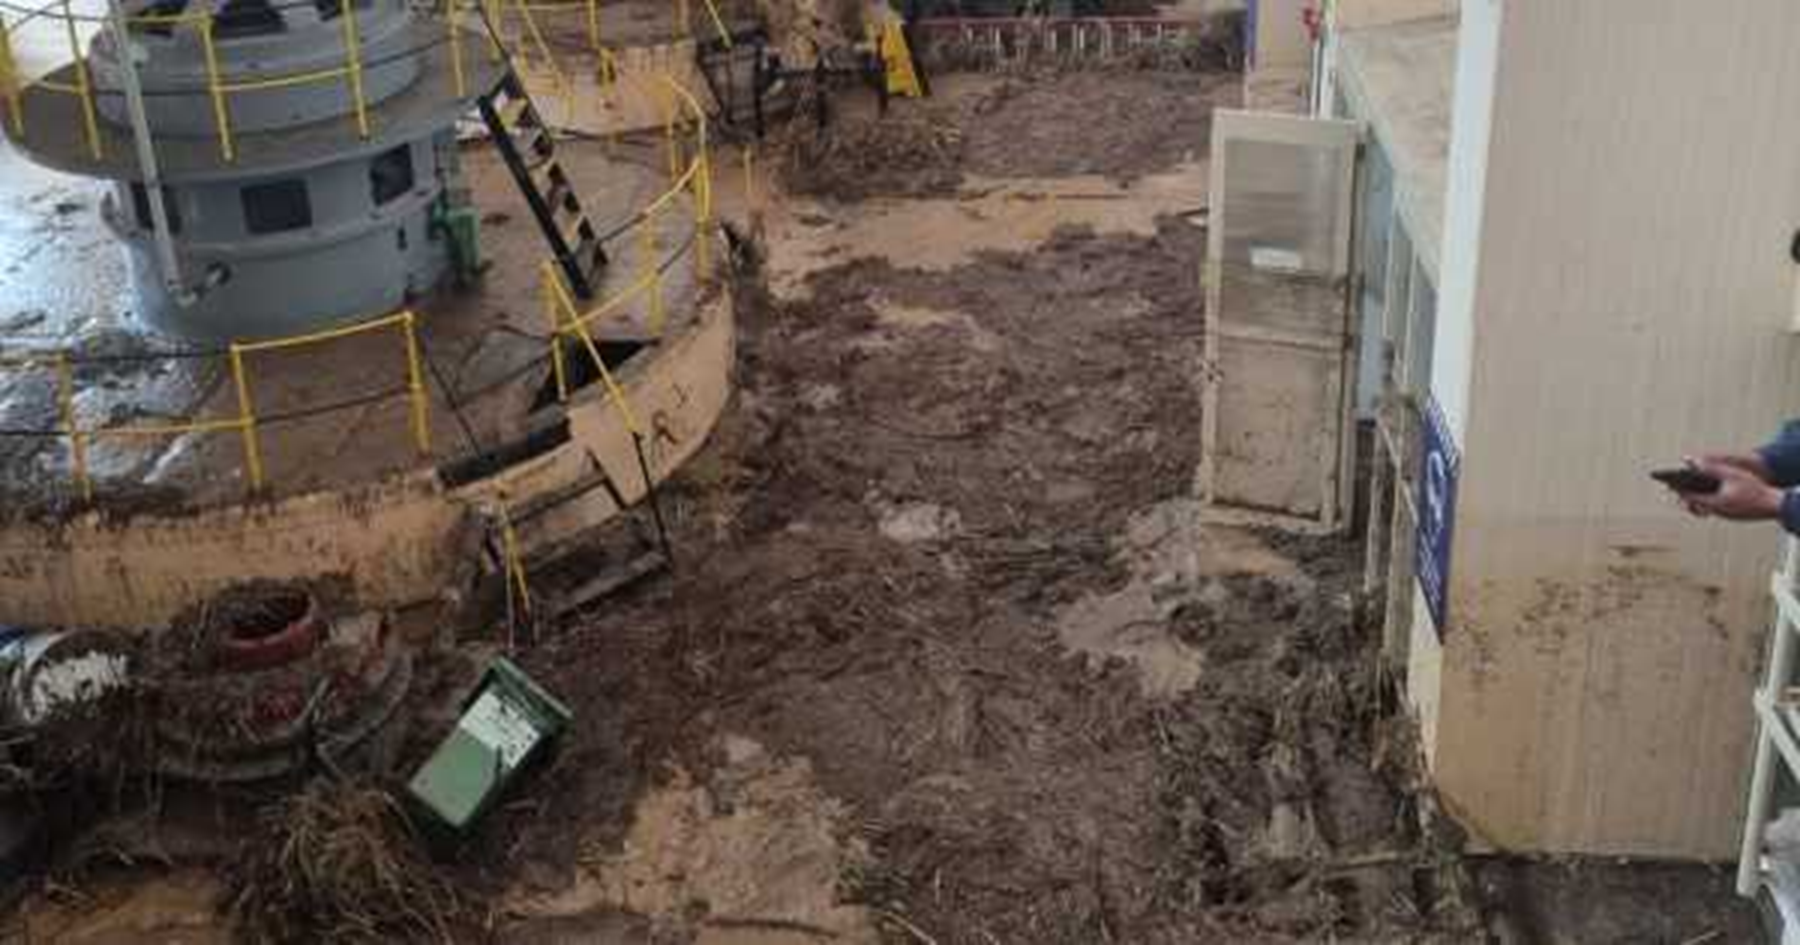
point(273, 40)
point(284, 254)
point(304, 206)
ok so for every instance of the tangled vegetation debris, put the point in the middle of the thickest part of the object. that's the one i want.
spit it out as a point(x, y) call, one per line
point(338, 862)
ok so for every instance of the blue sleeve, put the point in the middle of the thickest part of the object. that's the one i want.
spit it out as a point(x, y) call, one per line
point(1790, 511)
point(1782, 455)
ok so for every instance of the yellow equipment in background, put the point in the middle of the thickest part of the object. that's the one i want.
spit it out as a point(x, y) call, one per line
point(902, 76)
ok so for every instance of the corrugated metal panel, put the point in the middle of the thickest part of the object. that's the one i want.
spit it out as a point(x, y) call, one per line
point(1632, 298)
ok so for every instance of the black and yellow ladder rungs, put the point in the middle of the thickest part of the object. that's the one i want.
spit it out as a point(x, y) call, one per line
point(526, 145)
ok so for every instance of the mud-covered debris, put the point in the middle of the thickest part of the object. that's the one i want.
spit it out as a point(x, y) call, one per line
point(919, 522)
point(854, 157)
point(338, 862)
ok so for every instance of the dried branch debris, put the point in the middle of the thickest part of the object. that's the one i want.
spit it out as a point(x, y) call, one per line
point(339, 862)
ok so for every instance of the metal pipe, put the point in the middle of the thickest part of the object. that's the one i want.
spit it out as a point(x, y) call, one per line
point(154, 194)
point(84, 85)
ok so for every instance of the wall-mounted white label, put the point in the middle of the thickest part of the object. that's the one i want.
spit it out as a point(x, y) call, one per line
point(1276, 259)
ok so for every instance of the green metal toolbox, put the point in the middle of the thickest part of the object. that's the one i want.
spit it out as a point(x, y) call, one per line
point(506, 724)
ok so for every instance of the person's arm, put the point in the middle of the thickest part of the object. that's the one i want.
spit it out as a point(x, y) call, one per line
point(1744, 496)
point(1780, 457)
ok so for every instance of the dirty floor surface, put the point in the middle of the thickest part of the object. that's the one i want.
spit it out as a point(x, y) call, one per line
point(949, 655)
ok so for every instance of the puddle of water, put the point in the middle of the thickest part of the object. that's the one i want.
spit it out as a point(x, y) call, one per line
point(62, 271)
point(1174, 554)
point(938, 234)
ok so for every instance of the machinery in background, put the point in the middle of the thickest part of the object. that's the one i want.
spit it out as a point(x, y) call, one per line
point(789, 65)
point(281, 168)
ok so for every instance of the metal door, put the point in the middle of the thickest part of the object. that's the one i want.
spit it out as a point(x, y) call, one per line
point(1277, 408)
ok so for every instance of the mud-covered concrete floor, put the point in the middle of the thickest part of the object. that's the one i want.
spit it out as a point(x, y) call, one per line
point(949, 654)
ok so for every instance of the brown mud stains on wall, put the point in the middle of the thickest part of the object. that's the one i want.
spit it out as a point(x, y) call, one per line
point(1569, 681)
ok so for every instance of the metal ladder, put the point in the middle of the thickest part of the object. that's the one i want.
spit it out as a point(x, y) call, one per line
point(526, 144)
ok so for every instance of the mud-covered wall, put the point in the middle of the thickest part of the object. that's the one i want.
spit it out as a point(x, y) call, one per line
point(395, 542)
point(1613, 299)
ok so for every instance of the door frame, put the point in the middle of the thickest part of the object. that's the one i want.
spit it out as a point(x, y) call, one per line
point(1337, 478)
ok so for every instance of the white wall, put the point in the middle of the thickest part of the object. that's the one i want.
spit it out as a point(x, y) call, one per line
point(1281, 40)
point(1341, 15)
point(1624, 185)
point(1465, 199)
point(1358, 14)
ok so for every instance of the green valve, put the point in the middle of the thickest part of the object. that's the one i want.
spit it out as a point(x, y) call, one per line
point(506, 724)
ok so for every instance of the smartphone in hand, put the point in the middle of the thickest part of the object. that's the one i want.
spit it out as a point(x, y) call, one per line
point(1687, 480)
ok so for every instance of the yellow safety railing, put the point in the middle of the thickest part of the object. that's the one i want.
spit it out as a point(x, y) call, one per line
point(221, 85)
point(689, 165)
point(246, 422)
point(64, 370)
point(566, 322)
point(564, 84)
point(415, 381)
point(647, 286)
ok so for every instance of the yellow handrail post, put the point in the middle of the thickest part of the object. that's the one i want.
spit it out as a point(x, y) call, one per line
point(593, 26)
point(491, 12)
point(353, 67)
point(712, 10)
point(65, 398)
point(515, 561)
point(9, 81)
point(84, 85)
point(558, 367)
point(246, 419)
point(577, 326)
point(215, 86)
point(593, 351)
point(563, 82)
point(415, 385)
point(652, 270)
point(458, 74)
point(667, 100)
point(683, 21)
point(702, 215)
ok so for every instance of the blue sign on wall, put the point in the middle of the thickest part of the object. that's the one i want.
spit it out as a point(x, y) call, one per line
point(1441, 466)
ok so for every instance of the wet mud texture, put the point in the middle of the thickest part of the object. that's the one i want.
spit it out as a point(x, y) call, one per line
point(1007, 790)
point(1116, 124)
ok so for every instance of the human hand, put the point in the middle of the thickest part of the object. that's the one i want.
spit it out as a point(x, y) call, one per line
point(1744, 495)
point(1751, 463)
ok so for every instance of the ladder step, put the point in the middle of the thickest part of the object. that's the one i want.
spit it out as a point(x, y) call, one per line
point(518, 113)
point(582, 242)
point(527, 145)
point(595, 478)
point(561, 194)
point(609, 581)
